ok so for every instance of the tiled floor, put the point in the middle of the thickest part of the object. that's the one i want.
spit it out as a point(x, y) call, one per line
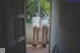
point(38, 49)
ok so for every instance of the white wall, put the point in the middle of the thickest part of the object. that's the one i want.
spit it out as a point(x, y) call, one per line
point(54, 23)
point(67, 41)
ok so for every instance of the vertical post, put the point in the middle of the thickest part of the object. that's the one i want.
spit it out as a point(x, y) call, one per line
point(39, 7)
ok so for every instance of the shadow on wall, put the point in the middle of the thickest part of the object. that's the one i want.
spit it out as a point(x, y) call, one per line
point(55, 49)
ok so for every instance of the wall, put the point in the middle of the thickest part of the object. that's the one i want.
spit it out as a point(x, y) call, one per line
point(65, 27)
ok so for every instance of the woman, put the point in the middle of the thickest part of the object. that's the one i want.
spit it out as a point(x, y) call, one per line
point(44, 24)
point(36, 27)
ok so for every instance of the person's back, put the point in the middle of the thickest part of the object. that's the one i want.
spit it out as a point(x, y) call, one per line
point(36, 26)
point(36, 21)
point(44, 26)
point(44, 20)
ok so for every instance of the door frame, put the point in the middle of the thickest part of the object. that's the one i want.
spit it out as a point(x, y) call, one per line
point(49, 27)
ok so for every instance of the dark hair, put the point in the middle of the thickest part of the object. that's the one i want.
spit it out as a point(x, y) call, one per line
point(42, 14)
point(34, 15)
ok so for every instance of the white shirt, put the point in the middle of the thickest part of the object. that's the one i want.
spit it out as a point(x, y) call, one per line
point(44, 20)
point(36, 21)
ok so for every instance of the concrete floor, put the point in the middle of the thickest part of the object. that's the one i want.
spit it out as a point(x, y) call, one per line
point(38, 49)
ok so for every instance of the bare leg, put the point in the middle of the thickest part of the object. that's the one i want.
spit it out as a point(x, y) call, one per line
point(46, 34)
point(34, 29)
point(37, 34)
point(42, 34)
point(43, 37)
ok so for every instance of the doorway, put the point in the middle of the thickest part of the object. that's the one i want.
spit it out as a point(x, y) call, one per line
point(37, 24)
